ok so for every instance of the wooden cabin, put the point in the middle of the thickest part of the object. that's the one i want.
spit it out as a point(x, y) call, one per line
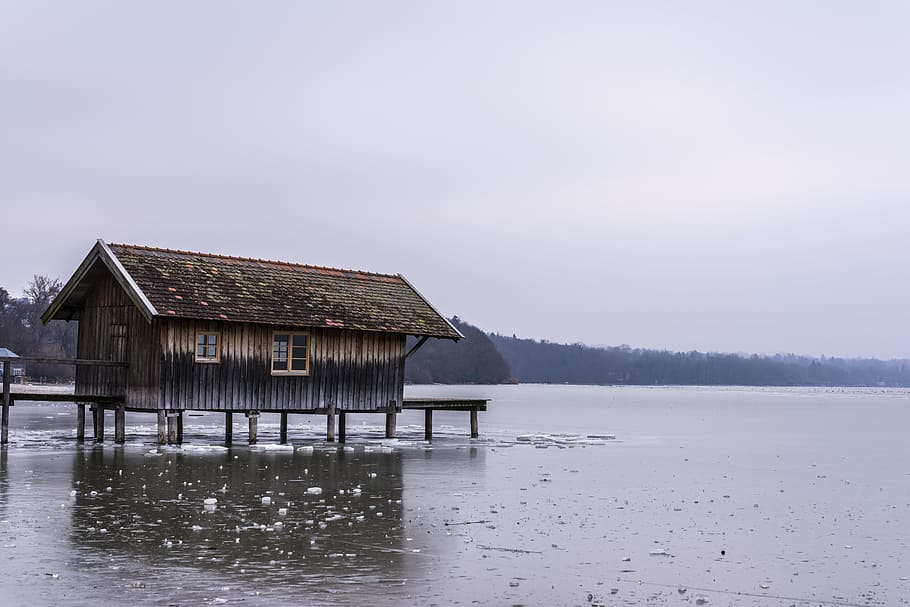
point(199, 331)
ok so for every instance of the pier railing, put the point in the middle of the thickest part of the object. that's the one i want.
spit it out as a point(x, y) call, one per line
point(7, 376)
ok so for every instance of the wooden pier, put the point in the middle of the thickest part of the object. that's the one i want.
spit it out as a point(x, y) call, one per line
point(170, 422)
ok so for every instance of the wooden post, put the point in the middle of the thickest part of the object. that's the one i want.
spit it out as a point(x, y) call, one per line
point(474, 426)
point(390, 419)
point(427, 424)
point(180, 427)
point(283, 428)
point(80, 422)
point(99, 423)
point(120, 424)
point(330, 424)
point(162, 432)
point(4, 433)
point(253, 419)
point(228, 427)
point(171, 428)
point(342, 429)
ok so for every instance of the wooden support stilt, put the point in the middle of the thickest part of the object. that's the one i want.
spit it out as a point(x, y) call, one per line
point(391, 419)
point(80, 422)
point(342, 427)
point(120, 424)
point(162, 428)
point(428, 424)
point(474, 425)
point(171, 428)
point(330, 424)
point(253, 419)
point(228, 427)
point(283, 428)
point(99, 424)
point(180, 427)
point(4, 431)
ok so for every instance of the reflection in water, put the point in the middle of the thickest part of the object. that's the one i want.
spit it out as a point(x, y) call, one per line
point(301, 518)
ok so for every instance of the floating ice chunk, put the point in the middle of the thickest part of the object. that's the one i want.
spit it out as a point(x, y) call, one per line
point(93, 493)
point(196, 528)
point(282, 511)
point(266, 500)
point(73, 493)
point(203, 448)
point(210, 501)
point(271, 447)
point(356, 490)
point(659, 552)
point(372, 475)
point(701, 600)
point(278, 525)
point(314, 490)
point(305, 450)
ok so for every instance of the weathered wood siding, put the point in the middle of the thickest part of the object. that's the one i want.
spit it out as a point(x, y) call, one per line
point(353, 370)
point(111, 328)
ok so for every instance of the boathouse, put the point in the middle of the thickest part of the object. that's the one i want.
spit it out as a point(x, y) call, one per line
point(198, 331)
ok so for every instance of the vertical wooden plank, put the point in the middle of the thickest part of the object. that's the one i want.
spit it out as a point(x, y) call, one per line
point(330, 424)
point(99, 433)
point(162, 433)
point(4, 424)
point(342, 427)
point(428, 424)
point(80, 422)
point(475, 427)
point(283, 428)
point(120, 425)
point(253, 420)
point(228, 427)
point(171, 428)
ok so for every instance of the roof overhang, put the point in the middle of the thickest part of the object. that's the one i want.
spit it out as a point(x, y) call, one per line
point(432, 307)
point(69, 301)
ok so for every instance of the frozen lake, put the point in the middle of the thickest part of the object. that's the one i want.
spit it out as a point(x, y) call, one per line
point(735, 496)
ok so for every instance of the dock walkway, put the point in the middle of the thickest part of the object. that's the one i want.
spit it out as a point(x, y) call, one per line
point(170, 423)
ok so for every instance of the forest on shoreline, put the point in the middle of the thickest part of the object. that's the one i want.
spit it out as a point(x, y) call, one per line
point(493, 358)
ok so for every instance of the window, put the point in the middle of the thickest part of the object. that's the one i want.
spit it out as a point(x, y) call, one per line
point(207, 350)
point(290, 353)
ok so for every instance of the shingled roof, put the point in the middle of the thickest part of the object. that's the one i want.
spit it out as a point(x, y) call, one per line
point(185, 284)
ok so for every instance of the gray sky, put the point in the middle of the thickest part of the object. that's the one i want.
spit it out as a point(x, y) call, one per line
point(722, 176)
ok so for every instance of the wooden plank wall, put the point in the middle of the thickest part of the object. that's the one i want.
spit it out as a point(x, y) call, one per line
point(111, 328)
point(353, 370)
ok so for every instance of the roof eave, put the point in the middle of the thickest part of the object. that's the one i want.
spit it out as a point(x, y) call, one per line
point(101, 251)
point(458, 335)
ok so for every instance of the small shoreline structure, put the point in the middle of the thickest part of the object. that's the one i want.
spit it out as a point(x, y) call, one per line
point(164, 331)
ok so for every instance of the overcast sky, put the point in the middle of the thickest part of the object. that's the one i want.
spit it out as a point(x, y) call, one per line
point(717, 176)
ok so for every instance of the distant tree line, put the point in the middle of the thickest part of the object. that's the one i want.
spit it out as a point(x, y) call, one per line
point(472, 360)
point(22, 331)
point(545, 362)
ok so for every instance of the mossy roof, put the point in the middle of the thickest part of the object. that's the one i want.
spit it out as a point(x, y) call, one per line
point(185, 284)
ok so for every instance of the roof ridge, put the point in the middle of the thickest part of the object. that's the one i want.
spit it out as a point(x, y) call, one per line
point(252, 259)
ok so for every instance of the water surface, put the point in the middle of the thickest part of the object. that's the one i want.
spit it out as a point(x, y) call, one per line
point(573, 495)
